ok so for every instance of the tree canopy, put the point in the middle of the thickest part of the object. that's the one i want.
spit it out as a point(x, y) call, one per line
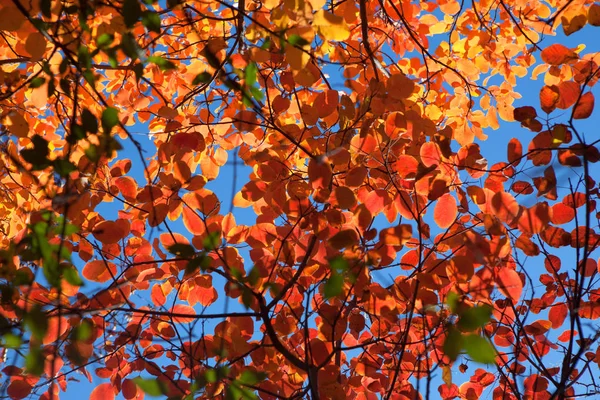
point(291, 199)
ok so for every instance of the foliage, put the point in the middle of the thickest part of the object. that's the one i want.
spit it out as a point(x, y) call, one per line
point(377, 254)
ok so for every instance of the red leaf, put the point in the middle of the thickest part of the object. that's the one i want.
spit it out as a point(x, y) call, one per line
point(557, 54)
point(99, 271)
point(584, 107)
point(524, 113)
point(510, 284)
point(18, 389)
point(104, 391)
point(558, 313)
point(533, 220)
point(445, 211)
point(515, 151)
point(130, 390)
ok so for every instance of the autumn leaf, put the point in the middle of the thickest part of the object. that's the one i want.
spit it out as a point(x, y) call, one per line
point(104, 391)
point(330, 26)
point(445, 211)
point(557, 54)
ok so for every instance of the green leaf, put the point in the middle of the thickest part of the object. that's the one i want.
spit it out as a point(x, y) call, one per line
point(182, 250)
point(257, 93)
point(77, 133)
point(38, 156)
point(110, 118)
point(65, 85)
point(162, 63)
point(63, 167)
point(210, 376)
point(37, 322)
point(250, 73)
point(104, 40)
point(71, 275)
point(11, 341)
point(266, 44)
point(452, 300)
point(203, 77)
point(474, 318)
point(89, 77)
point(131, 12)
point(453, 343)
point(84, 57)
point(339, 264)
point(151, 20)
point(34, 361)
point(92, 153)
point(83, 331)
point(130, 47)
point(333, 286)
point(152, 387)
point(479, 349)
point(247, 297)
point(37, 82)
point(251, 377)
point(297, 40)
point(89, 121)
point(211, 241)
point(46, 8)
point(138, 70)
point(253, 276)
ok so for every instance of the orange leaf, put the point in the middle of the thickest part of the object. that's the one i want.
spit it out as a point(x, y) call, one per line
point(167, 239)
point(510, 284)
point(533, 220)
point(104, 391)
point(445, 211)
point(345, 197)
point(319, 173)
point(344, 238)
point(184, 310)
point(548, 98)
point(504, 206)
point(568, 94)
point(127, 187)
point(584, 107)
point(110, 232)
point(593, 16)
point(430, 154)
point(99, 271)
point(376, 201)
point(557, 54)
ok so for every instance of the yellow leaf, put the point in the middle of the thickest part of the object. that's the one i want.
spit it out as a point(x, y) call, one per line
point(296, 57)
point(17, 125)
point(331, 26)
point(447, 375)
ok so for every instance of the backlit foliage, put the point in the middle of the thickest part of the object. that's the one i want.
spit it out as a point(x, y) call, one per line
point(289, 199)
